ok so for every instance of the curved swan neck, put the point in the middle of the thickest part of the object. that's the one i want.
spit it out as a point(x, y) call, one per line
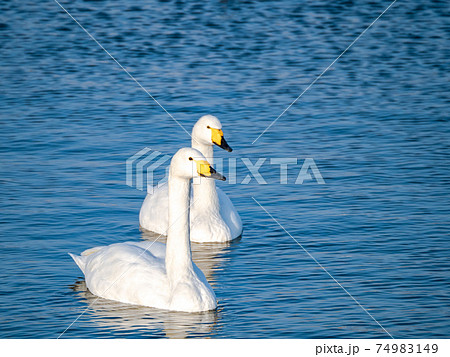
point(206, 150)
point(178, 250)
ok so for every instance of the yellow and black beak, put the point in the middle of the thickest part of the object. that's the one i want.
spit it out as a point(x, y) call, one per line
point(204, 169)
point(218, 139)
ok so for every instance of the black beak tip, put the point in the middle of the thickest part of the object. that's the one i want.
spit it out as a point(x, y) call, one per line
point(224, 145)
point(216, 175)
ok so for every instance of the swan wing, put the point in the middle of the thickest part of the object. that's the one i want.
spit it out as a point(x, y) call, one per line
point(127, 272)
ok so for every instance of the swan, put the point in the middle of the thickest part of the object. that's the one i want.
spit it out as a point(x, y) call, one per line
point(151, 273)
point(213, 216)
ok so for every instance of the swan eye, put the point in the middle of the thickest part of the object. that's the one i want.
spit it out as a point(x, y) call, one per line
point(190, 159)
point(208, 127)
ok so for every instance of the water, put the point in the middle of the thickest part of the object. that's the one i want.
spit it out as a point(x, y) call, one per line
point(376, 125)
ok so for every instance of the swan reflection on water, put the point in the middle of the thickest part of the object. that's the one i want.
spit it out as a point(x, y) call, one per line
point(150, 322)
point(126, 318)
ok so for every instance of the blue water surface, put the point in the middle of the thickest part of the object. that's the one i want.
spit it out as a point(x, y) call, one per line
point(376, 125)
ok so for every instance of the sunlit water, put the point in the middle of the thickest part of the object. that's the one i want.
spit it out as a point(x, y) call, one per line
point(376, 125)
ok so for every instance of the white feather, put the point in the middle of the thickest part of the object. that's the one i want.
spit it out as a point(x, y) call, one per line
point(213, 216)
point(151, 273)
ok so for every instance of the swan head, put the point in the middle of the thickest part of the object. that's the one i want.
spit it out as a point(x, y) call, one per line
point(190, 163)
point(208, 131)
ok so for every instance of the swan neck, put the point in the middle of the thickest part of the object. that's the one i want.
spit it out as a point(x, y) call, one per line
point(206, 150)
point(178, 250)
point(205, 194)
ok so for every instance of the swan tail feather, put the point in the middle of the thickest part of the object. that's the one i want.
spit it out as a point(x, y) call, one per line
point(79, 261)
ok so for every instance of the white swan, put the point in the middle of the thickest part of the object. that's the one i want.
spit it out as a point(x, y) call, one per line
point(151, 273)
point(213, 216)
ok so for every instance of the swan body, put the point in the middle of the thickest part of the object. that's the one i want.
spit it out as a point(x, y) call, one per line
point(151, 273)
point(135, 273)
point(213, 216)
point(221, 226)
